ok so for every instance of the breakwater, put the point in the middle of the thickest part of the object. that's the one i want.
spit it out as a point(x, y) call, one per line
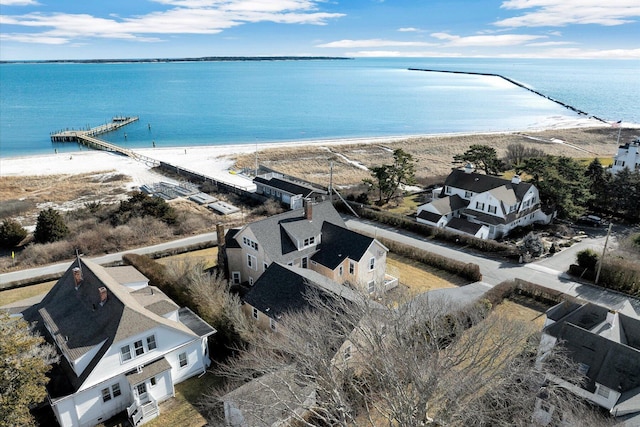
point(516, 83)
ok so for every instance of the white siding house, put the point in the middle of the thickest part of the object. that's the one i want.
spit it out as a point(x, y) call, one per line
point(628, 156)
point(123, 344)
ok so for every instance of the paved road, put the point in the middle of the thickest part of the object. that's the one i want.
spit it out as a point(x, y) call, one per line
point(106, 259)
point(548, 272)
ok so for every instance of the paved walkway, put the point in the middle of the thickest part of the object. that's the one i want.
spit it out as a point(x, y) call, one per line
point(545, 272)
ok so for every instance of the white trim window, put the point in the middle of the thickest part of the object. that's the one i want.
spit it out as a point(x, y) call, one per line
point(183, 361)
point(352, 267)
point(479, 206)
point(152, 382)
point(109, 393)
point(371, 287)
point(252, 263)
point(255, 313)
point(492, 209)
point(250, 243)
point(235, 277)
point(125, 353)
point(372, 263)
point(151, 342)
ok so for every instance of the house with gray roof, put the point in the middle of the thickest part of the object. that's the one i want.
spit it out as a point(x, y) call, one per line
point(290, 192)
point(123, 344)
point(606, 346)
point(484, 206)
point(314, 238)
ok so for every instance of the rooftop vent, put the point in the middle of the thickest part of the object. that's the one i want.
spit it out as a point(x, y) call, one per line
point(516, 179)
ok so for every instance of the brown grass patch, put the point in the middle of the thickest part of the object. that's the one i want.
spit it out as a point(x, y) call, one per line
point(13, 295)
point(209, 257)
point(434, 154)
point(418, 278)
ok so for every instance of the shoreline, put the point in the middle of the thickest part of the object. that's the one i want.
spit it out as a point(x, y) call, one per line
point(217, 161)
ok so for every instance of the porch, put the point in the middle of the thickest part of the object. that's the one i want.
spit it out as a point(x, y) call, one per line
point(140, 413)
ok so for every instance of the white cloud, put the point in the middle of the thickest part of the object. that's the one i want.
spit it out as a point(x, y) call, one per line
point(185, 17)
point(558, 13)
point(486, 40)
point(410, 30)
point(372, 43)
point(550, 44)
point(18, 3)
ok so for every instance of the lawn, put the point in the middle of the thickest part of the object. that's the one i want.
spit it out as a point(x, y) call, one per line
point(12, 295)
point(207, 256)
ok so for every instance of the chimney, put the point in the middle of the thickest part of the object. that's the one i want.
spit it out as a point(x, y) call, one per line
point(103, 295)
point(77, 277)
point(516, 179)
point(308, 209)
point(468, 168)
point(611, 317)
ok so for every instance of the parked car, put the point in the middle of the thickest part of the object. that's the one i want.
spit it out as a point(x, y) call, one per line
point(590, 221)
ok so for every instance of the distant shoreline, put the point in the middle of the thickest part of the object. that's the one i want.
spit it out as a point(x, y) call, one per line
point(158, 60)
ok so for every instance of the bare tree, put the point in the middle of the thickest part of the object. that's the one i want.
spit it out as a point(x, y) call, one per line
point(417, 364)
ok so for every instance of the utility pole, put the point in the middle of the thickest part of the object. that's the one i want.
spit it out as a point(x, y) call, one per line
point(606, 241)
point(330, 179)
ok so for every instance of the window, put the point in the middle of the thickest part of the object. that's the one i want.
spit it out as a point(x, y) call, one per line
point(492, 209)
point(347, 352)
point(141, 388)
point(447, 190)
point(106, 394)
point(115, 390)
point(250, 243)
point(255, 313)
point(371, 287)
point(251, 262)
point(468, 194)
point(340, 270)
point(603, 391)
point(512, 208)
point(182, 357)
point(235, 277)
point(152, 381)
point(151, 342)
point(125, 353)
point(352, 267)
point(305, 262)
point(479, 206)
point(583, 368)
point(372, 263)
point(139, 348)
point(273, 324)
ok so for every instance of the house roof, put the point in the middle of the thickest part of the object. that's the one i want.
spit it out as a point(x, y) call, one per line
point(272, 398)
point(479, 183)
point(448, 204)
point(127, 274)
point(430, 216)
point(282, 288)
point(288, 186)
point(464, 226)
point(77, 322)
point(149, 370)
point(276, 233)
point(339, 243)
point(607, 342)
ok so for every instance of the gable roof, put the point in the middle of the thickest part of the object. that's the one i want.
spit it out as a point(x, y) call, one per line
point(464, 226)
point(339, 243)
point(448, 204)
point(288, 186)
point(276, 232)
point(479, 183)
point(430, 216)
point(282, 288)
point(78, 323)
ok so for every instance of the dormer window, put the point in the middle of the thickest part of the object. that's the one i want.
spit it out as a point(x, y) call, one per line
point(309, 241)
point(250, 243)
point(140, 347)
point(125, 353)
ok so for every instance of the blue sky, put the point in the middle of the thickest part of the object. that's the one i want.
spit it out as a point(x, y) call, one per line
point(88, 29)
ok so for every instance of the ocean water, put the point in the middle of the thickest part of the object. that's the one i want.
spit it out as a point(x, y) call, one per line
point(210, 103)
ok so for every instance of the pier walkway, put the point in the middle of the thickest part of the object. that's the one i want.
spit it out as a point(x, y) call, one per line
point(88, 138)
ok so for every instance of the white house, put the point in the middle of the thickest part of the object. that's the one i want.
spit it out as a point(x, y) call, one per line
point(628, 156)
point(315, 238)
point(123, 344)
point(606, 346)
point(482, 205)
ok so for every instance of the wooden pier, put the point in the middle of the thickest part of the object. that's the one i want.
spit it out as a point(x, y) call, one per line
point(88, 138)
point(74, 134)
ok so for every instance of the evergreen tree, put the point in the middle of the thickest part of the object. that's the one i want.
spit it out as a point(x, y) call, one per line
point(11, 233)
point(483, 157)
point(25, 358)
point(50, 227)
point(386, 179)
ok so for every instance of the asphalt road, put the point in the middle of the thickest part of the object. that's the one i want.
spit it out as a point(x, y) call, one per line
point(58, 268)
point(547, 272)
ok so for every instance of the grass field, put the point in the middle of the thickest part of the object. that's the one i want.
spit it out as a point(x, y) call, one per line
point(12, 295)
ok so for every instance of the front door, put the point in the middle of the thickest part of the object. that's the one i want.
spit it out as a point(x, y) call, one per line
point(141, 392)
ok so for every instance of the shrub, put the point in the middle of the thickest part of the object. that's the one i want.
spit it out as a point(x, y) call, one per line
point(11, 233)
point(142, 205)
point(38, 254)
point(533, 245)
point(587, 258)
point(50, 227)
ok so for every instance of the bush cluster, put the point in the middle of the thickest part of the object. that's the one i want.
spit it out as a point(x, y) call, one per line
point(467, 270)
point(510, 288)
point(621, 275)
